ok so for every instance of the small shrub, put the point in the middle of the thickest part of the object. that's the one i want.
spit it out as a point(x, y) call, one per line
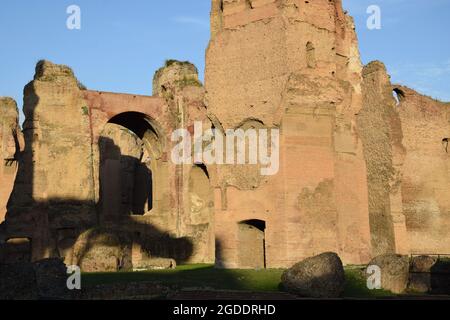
point(188, 82)
point(170, 62)
point(85, 111)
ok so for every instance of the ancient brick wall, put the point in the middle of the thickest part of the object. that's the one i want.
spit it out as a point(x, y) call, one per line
point(54, 186)
point(292, 65)
point(97, 166)
point(360, 173)
point(426, 176)
point(380, 129)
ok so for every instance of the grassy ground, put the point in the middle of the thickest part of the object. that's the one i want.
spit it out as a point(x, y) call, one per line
point(356, 285)
point(207, 277)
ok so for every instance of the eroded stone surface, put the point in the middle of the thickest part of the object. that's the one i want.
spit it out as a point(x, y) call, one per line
point(394, 271)
point(321, 276)
point(11, 140)
point(380, 129)
point(426, 176)
point(421, 274)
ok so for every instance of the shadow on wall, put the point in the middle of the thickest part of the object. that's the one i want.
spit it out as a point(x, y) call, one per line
point(126, 184)
point(103, 236)
point(250, 246)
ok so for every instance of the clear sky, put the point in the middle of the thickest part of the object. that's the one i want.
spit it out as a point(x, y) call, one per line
point(121, 43)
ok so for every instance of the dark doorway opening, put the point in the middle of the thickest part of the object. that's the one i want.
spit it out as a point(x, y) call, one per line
point(398, 95)
point(129, 148)
point(252, 244)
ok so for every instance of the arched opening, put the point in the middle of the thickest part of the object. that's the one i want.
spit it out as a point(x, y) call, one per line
point(129, 152)
point(137, 122)
point(252, 244)
point(398, 95)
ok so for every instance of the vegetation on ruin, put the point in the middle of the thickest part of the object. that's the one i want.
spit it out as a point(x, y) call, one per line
point(85, 110)
point(65, 70)
point(188, 82)
point(170, 62)
point(210, 278)
point(80, 85)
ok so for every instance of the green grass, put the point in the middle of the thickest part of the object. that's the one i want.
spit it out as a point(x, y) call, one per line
point(196, 276)
point(208, 277)
point(356, 286)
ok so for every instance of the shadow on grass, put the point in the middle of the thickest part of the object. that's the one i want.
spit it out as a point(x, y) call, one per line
point(195, 276)
point(208, 277)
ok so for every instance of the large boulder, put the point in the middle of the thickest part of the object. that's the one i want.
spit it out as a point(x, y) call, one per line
point(420, 274)
point(44, 279)
point(394, 271)
point(51, 279)
point(321, 276)
point(18, 282)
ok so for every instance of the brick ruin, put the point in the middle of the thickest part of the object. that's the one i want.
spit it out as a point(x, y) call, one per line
point(364, 164)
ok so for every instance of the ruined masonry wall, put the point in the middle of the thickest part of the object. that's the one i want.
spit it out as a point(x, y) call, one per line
point(292, 65)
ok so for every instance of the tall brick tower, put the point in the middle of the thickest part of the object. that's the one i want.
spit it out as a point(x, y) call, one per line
point(292, 65)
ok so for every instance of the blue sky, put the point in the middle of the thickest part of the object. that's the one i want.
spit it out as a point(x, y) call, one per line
point(121, 43)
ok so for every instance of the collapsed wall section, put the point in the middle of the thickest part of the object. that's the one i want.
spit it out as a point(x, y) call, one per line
point(53, 191)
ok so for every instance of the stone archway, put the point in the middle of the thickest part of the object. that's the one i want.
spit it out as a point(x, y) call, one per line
point(129, 148)
point(252, 244)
